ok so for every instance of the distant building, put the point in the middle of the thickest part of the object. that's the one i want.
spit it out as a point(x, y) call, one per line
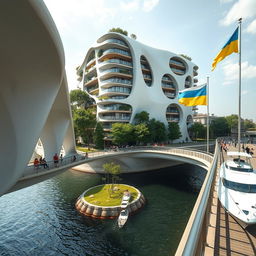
point(202, 118)
point(125, 77)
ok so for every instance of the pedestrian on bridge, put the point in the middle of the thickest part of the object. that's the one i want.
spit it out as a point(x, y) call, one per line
point(55, 160)
point(36, 163)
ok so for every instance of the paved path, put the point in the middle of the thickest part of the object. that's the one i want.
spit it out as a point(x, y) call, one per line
point(225, 236)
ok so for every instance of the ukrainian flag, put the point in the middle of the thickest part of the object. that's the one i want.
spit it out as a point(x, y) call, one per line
point(230, 47)
point(193, 96)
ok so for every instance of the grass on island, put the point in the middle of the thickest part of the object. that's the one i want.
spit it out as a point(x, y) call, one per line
point(85, 149)
point(102, 196)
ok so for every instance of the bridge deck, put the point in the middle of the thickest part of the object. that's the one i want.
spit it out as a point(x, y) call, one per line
point(225, 236)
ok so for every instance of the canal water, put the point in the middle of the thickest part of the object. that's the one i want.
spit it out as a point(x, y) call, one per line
point(42, 219)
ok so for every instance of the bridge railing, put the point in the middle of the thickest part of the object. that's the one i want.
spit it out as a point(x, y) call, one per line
point(31, 169)
point(194, 236)
point(82, 157)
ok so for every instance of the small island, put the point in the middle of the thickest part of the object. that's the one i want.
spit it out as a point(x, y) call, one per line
point(107, 200)
point(103, 202)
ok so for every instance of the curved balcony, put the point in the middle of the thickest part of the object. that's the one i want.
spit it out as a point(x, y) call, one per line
point(115, 62)
point(91, 70)
point(117, 97)
point(188, 82)
point(120, 72)
point(116, 81)
point(115, 107)
point(94, 90)
point(114, 52)
point(173, 113)
point(178, 66)
point(146, 70)
point(113, 42)
point(117, 89)
point(120, 117)
point(168, 86)
point(91, 81)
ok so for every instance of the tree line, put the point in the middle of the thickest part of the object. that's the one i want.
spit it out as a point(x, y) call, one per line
point(221, 127)
point(144, 130)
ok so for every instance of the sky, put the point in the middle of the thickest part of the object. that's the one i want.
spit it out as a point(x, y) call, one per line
point(197, 28)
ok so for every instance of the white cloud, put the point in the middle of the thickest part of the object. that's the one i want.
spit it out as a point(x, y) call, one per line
point(252, 27)
point(231, 71)
point(130, 5)
point(244, 92)
point(148, 5)
point(242, 8)
point(67, 13)
point(136, 5)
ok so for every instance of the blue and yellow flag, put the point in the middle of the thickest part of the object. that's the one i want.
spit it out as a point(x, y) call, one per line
point(193, 96)
point(230, 47)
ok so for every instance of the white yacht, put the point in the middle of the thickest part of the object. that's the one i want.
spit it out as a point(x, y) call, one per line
point(237, 187)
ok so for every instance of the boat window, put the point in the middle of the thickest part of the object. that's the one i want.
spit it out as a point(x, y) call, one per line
point(247, 188)
point(240, 169)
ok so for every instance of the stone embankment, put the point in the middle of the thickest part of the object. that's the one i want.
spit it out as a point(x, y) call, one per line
point(107, 212)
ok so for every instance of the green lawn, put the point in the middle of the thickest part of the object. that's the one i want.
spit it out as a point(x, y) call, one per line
point(102, 196)
point(85, 149)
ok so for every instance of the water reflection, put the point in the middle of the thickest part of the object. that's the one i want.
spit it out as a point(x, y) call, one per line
point(42, 220)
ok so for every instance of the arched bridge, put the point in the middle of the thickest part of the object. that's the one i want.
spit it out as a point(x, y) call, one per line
point(134, 159)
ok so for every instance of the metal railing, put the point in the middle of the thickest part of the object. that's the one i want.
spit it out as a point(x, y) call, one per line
point(194, 237)
point(81, 158)
point(49, 165)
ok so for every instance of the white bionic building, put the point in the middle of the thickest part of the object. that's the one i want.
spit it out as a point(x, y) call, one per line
point(126, 77)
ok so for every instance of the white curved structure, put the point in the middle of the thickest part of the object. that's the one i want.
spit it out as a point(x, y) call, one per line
point(34, 100)
point(237, 187)
point(126, 77)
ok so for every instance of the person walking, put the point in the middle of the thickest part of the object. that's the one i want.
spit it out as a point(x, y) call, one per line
point(55, 160)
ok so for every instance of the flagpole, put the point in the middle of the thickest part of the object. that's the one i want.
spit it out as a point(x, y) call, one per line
point(239, 99)
point(208, 94)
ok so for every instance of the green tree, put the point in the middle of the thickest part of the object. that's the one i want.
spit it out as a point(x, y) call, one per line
point(98, 136)
point(112, 172)
point(84, 122)
point(249, 124)
point(80, 99)
point(198, 130)
point(157, 131)
point(141, 132)
point(173, 131)
point(232, 121)
point(133, 36)
point(123, 134)
point(142, 117)
point(119, 30)
point(186, 57)
point(220, 127)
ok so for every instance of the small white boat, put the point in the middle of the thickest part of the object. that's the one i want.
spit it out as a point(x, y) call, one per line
point(237, 188)
point(123, 217)
point(125, 200)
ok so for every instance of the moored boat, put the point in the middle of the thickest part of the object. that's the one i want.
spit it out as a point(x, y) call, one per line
point(237, 187)
point(123, 217)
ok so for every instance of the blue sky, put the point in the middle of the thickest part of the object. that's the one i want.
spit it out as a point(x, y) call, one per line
point(198, 28)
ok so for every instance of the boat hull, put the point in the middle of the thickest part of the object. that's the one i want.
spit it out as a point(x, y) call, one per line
point(236, 203)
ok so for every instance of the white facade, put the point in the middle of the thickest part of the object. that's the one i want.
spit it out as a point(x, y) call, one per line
point(34, 98)
point(144, 78)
